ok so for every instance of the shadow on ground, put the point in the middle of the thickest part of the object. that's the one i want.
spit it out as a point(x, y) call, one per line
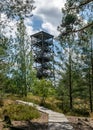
point(31, 126)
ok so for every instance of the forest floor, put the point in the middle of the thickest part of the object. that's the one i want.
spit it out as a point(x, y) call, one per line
point(78, 123)
point(81, 123)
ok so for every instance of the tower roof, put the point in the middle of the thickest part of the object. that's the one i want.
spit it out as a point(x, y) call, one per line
point(43, 34)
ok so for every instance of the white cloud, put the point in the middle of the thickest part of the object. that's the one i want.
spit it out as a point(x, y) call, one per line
point(30, 30)
point(50, 28)
point(29, 26)
point(50, 14)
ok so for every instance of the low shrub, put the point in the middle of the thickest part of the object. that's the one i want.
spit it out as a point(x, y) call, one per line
point(52, 107)
point(64, 107)
point(21, 112)
point(81, 112)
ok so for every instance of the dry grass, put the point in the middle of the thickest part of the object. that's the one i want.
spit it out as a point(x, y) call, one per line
point(91, 115)
point(18, 111)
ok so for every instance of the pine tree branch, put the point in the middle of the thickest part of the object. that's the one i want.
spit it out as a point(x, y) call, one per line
point(78, 30)
point(82, 4)
point(86, 2)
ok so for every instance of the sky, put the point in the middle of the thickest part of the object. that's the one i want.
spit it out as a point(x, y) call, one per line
point(46, 16)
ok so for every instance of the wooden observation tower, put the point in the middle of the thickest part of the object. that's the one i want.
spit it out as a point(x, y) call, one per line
point(43, 54)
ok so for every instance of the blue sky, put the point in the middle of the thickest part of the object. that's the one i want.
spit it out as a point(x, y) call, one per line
point(47, 16)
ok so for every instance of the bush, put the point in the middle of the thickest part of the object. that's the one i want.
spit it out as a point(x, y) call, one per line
point(81, 112)
point(45, 88)
point(52, 107)
point(21, 112)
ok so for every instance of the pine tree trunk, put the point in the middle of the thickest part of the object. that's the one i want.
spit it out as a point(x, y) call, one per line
point(70, 82)
point(91, 80)
point(90, 92)
point(92, 62)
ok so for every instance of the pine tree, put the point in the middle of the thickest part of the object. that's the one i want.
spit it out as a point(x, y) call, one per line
point(18, 57)
point(3, 61)
point(71, 29)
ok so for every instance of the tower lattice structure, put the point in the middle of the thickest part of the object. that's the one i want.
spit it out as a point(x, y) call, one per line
point(43, 54)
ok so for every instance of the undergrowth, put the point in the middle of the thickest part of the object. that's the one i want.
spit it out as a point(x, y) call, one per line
point(20, 112)
point(56, 105)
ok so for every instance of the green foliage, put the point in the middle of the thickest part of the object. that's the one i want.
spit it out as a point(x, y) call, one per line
point(17, 8)
point(42, 88)
point(51, 102)
point(52, 106)
point(21, 112)
point(20, 68)
point(79, 112)
point(70, 19)
point(3, 62)
point(76, 75)
point(17, 49)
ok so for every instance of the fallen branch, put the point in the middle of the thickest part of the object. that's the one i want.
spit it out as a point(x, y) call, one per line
point(86, 123)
